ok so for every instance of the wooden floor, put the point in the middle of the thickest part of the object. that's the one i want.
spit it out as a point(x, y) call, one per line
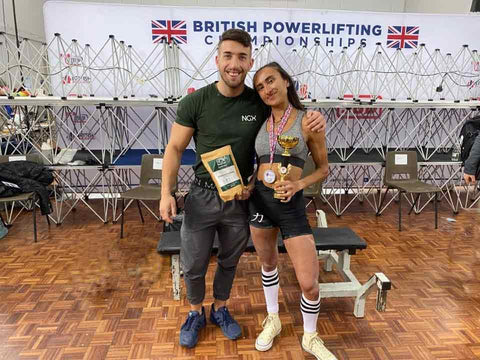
point(81, 293)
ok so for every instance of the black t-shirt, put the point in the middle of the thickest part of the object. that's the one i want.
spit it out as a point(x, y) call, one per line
point(219, 120)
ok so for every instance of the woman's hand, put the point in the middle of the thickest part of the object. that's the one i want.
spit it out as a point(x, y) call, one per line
point(287, 189)
point(246, 192)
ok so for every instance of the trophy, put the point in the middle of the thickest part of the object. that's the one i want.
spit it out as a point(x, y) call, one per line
point(287, 143)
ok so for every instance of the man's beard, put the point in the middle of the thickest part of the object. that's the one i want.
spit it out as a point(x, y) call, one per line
point(233, 84)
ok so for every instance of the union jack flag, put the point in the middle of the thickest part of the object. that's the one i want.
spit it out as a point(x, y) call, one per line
point(402, 37)
point(170, 30)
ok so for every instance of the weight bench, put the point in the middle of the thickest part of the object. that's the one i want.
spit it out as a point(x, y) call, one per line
point(334, 245)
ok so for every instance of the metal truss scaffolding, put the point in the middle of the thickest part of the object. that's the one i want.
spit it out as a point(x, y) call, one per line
point(105, 107)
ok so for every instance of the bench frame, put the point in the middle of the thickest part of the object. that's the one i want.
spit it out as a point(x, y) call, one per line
point(351, 287)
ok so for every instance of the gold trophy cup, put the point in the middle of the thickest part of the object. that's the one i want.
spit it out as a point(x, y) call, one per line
point(287, 143)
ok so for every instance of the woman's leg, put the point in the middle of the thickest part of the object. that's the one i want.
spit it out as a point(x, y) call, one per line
point(303, 254)
point(265, 241)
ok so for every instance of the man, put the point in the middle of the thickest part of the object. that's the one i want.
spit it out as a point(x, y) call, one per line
point(223, 113)
point(472, 162)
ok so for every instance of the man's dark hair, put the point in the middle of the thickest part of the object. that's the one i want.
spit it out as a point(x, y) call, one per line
point(240, 36)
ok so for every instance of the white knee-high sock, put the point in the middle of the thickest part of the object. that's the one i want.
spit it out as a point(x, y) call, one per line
point(310, 310)
point(270, 289)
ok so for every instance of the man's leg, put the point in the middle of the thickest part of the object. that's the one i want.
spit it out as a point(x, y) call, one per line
point(195, 255)
point(233, 234)
point(232, 243)
point(197, 235)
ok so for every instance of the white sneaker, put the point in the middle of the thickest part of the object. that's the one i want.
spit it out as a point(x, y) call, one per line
point(312, 344)
point(271, 328)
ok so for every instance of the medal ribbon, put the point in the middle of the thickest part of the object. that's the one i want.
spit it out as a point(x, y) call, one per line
point(273, 136)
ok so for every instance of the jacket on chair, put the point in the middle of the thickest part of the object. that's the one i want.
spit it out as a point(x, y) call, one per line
point(18, 177)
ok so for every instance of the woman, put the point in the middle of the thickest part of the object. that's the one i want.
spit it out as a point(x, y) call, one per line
point(286, 212)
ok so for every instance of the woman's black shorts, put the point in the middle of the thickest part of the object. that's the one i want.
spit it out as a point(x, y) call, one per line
point(266, 212)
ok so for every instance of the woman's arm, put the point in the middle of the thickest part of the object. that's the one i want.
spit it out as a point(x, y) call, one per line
point(317, 145)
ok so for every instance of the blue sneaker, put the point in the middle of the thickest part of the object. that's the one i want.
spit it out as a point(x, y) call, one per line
point(189, 330)
point(3, 230)
point(227, 323)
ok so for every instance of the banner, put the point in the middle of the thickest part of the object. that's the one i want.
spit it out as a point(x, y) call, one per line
point(197, 28)
point(196, 31)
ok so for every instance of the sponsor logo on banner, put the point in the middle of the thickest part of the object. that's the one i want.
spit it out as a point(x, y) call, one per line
point(302, 90)
point(403, 37)
point(79, 118)
point(169, 30)
point(474, 83)
point(83, 136)
point(76, 79)
point(70, 60)
point(362, 113)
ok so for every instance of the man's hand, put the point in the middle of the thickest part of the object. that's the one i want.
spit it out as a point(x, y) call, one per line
point(315, 121)
point(469, 179)
point(168, 208)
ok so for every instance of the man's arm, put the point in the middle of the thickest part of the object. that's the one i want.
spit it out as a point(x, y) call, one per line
point(180, 137)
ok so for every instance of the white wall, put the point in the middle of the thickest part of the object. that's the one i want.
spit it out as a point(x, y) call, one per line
point(30, 12)
point(29, 18)
point(438, 6)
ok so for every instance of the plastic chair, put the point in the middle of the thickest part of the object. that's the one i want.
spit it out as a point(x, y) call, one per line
point(150, 169)
point(314, 191)
point(30, 196)
point(401, 173)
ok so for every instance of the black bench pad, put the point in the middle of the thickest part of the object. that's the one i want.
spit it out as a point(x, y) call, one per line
point(341, 238)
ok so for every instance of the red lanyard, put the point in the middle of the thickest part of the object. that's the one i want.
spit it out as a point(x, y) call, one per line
point(273, 137)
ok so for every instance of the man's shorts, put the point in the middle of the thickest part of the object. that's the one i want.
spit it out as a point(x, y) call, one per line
point(266, 212)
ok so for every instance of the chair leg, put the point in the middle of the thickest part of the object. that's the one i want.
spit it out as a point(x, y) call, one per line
point(48, 220)
point(414, 203)
point(399, 210)
point(383, 200)
point(34, 219)
point(121, 220)
point(435, 206)
point(140, 211)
